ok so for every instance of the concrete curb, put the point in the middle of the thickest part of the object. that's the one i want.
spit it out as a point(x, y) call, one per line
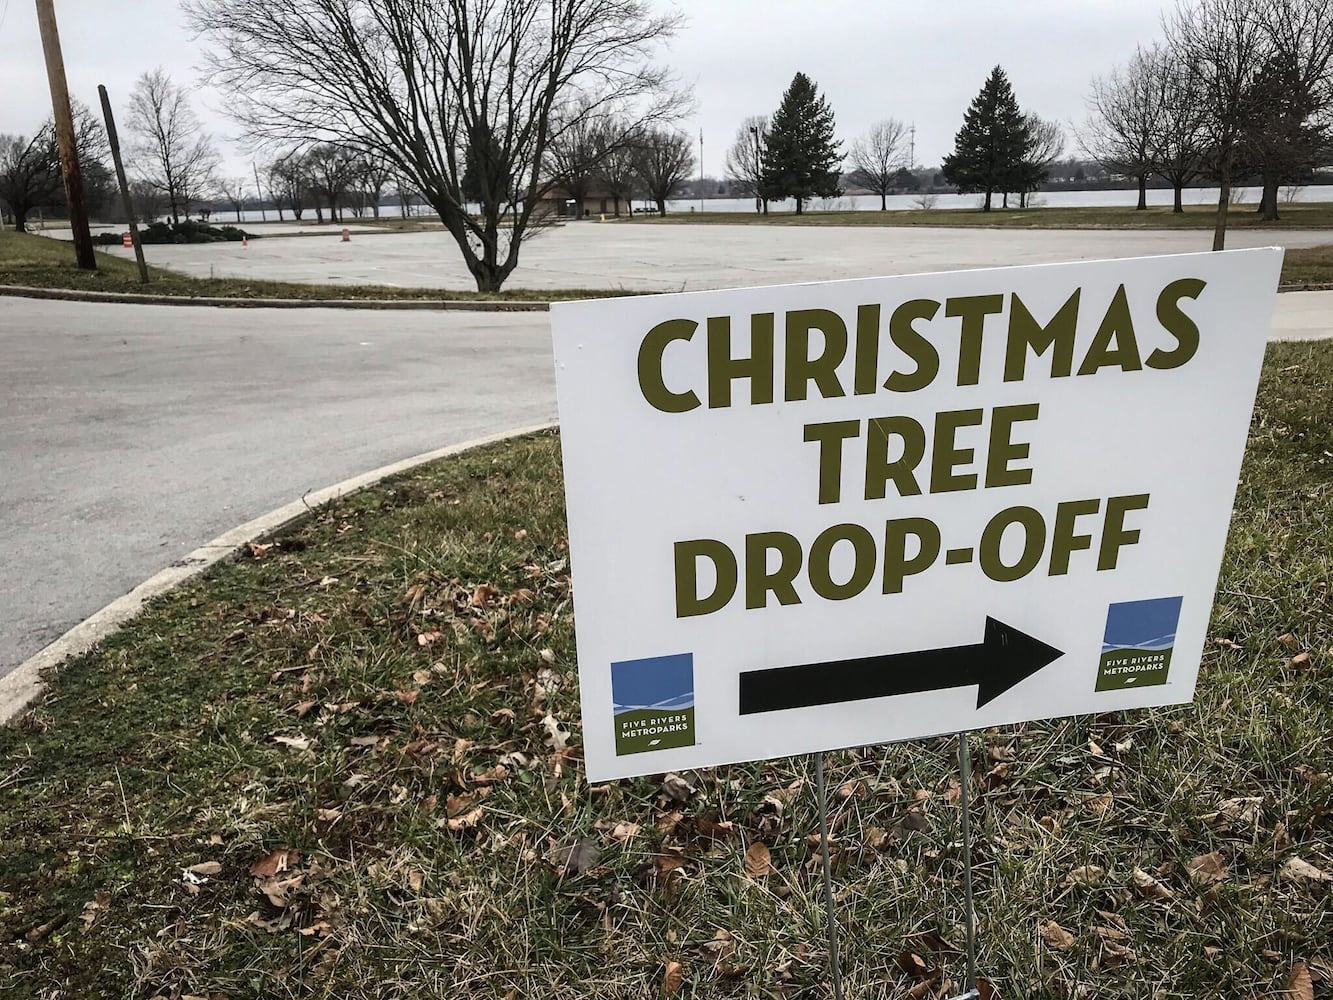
point(24, 683)
point(134, 298)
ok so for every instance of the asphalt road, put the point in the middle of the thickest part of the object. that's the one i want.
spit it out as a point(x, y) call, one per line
point(129, 435)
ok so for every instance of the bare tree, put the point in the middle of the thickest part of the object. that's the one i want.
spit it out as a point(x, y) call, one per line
point(420, 81)
point(619, 171)
point(30, 168)
point(1292, 97)
point(232, 190)
point(332, 169)
point(29, 175)
point(666, 160)
point(1180, 145)
point(373, 175)
point(575, 156)
point(1124, 120)
point(171, 149)
point(745, 159)
point(876, 158)
point(1225, 45)
point(1045, 144)
point(289, 182)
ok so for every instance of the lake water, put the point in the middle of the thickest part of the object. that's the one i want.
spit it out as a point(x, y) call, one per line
point(870, 203)
point(1045, 199)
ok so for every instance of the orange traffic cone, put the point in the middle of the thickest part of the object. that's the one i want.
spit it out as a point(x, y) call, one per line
point(245, 241)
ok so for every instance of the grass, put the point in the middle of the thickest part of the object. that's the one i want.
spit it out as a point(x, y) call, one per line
point(348, 765)
point(1308, 266)
point(42, 262)
point(1296, 216)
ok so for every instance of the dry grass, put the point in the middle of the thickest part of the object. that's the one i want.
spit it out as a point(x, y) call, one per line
point(367, 734)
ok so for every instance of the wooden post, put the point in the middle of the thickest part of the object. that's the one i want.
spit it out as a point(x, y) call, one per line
point(125, 198)
point(263, 215)
point(64, 121)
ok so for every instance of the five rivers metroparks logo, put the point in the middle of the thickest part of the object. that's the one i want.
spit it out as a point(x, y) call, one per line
point(653, 703)
point(1136, 649)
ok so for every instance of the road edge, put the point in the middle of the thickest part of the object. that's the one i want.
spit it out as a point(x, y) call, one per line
point(135, 298)
point(447, 305)
point(23, 684)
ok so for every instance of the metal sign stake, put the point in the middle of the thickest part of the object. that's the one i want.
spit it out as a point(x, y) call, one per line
point(822, 793)
point(970, 917)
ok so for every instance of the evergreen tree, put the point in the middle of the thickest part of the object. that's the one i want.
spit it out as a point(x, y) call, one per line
point(990, 148)
point(802, 158)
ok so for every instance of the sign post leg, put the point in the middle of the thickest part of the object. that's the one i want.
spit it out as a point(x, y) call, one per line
point(821, 791)
point(965, 775)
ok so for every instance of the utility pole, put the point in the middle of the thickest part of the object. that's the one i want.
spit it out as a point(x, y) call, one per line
point(113, 139)
point(65, 141)
point(701, 170)
point(911, 147)
point(260, 192)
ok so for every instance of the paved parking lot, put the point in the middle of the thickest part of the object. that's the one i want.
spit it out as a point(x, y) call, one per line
point(687, 258)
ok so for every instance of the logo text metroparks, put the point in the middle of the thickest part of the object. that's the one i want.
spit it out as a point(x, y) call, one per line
point(885, 456)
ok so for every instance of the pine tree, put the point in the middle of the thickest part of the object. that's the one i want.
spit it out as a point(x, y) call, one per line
point(991, 147)
point(802, 158)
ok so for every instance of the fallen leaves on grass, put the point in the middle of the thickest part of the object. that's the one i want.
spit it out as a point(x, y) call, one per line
point(574, 855)
point(1207, 868)
point(1300, 868)
point(1151, 887)
point(758, 861)
point(673, 978)
point(1299, 984)
point(275, 861)
point(1056, 936)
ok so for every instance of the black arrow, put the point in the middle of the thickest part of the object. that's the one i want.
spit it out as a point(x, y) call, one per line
point(1003, 658)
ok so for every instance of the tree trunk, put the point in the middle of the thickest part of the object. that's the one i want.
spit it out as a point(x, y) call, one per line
point(799, 205)
point(1143, 194)
point(986, 205)
point(1223, 203)
point(661, 206)
point(1268, 200)
point(1005, 203)
point(765, 206)
point(1022, 199)
point(238, 213)
point(883, 202)
point(1177, 200)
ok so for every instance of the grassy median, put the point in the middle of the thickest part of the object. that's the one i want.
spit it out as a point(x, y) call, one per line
point(1317, 215)
point(347, 764)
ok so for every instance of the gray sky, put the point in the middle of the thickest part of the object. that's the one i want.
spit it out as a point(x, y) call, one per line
point(920, 61)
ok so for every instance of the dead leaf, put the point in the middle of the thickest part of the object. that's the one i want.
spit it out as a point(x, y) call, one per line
point(206, 868)
point(276, 890)
point(1303, 869)
point(428, 639)
point(758, 860)
point(1299, 984)
point(557, 736)
point(1150, 887)
point(293, 742)
point(94, 908)
point(302, 709)
point(407, 697)
point(258, 550)
point(275, 861)
point(484, 595)
point(574, 855)
point(1287, 639)
point(1300, 661)
point(1100, 805)
point(1207, 868)
point(672, 979)
point(1090, 875)
point(677, 788)
point(465, 821)
point(1056, 936)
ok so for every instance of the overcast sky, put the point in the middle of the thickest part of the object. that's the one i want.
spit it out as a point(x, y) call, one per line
point(920, 61)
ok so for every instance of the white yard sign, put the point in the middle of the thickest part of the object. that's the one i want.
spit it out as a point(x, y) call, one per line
point(817, 516)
